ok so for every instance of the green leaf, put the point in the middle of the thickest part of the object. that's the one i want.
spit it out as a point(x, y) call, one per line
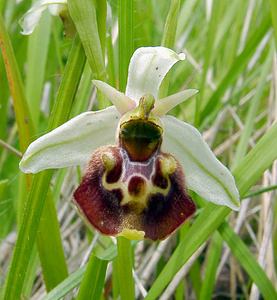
point(107, 254)
point(248, 262)
point(273, 10)
point(169, 36)
point(96, 269)
point(236, 68)
point(101, 15)
point(211, 263)
point(22, 114)
point(212, 28)
point(252, 112)
point(35, 201)
point(71, 282)
point(51, 233)
point(37, 57)
point(83, 14)
point(126, 40)
point(53, 263)
point(75, 278)
point(169, 33)
point(84, 17)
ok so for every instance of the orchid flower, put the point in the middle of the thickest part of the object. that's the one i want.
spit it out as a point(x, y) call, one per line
point(140, 162)
point(30, 20)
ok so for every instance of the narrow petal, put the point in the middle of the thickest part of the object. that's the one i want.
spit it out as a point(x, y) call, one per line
point(204, 173)
point(118, 99)
point(30, 20)
point(164, 105)
point(147, 69)
point(73, 142)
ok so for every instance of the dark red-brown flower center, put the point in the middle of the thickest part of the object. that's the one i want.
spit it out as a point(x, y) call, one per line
point(134, 189)
point(118, 194)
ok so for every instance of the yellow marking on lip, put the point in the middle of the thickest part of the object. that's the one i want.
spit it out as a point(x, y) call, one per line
point(168, 165)
point(108, 161)
point(132, 234)
point(140, 201)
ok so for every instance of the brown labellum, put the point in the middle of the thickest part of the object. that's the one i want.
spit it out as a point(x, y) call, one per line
point(134, 189)
point(118, 194)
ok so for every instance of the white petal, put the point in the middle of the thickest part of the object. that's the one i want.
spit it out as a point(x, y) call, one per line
point(147, 68)
point(204, 173)
point(30, 20)
point(73, 142)
point(56, 9)
point(164, 105)
point(118, 99)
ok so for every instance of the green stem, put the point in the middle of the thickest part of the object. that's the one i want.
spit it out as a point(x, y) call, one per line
point(124, 261)
point(124, 269)
point(95, 269)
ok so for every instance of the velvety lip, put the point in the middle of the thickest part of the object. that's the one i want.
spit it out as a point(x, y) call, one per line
point(101, 196)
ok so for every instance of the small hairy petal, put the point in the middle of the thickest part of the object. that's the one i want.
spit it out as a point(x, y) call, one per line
point(118, 99)
point(134, 199)
point(164, 105)
point(30, 20)
point(205, 174)
point(72, 143)
point(147, 69)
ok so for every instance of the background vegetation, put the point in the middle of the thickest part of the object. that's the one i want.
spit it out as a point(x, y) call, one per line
point(46, 250)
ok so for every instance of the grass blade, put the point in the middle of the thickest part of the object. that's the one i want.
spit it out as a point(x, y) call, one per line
point(71, 282)
point(251, 115)
point(96, 269)
point(101, 14)
point(35, 202)
point(83, 13)
point(22, 113)
point(212, 260)
point(37, 56)
point(170, 28)
point(84, 17)
point(168, 39)
point(273, 10)
point(126, 44)
point(209, 49)
point(236, 68)
point(53, 263)
point(248, 262)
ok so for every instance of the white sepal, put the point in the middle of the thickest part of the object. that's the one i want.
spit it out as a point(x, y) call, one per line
point(30, 20)
point(147, 69)
point(73, 142)
point(118, 99)
point(164, 105)
point(204, 173)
